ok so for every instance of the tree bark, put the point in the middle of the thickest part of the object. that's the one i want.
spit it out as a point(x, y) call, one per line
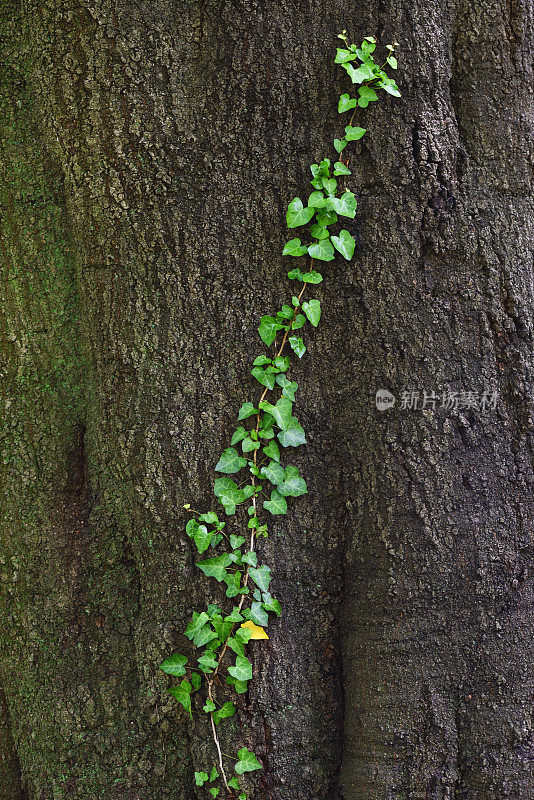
point(149, 152)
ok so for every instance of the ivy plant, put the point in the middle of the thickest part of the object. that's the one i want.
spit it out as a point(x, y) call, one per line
point(254, 479)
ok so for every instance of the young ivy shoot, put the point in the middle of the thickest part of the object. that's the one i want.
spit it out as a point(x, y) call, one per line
point(262, 480)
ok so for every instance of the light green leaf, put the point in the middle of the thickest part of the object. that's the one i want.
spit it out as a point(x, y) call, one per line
point(274, 472)
point(250, 558)
point(294, 275)
point(341, 169)
point(297, 345)
point(207, 663)
point(238, 435)
point(293, 435)
point(202, 538)
point(330, 185)
point(312, 309)
point(249, 445)
point(346, 103)
point(318, 232)
point(214, 791)
point(298, 322)
point(182, 693)
point(197, 623)
point(392, 61)
point(200, 778)
point(230, 461)
point(340, 144)
point(204, 635)
point(227, 710)
point(316, 200)
point(270, 603)
point(236, 541)
point(215, 567)
point(345, 244)
point(344, 205)
point(272, 451)
point(265, 378)
point(260, 361)
point(323, 250)
point(228, 493)
point(233, 582)
point(293, 485)
point(233, 784)
point(257, 613)
point(213, 774)
point(242, 670)
point(281, 363)
point(268, 329)
point(211, 518)
point(281, 411)
point(390, 87)
point(298, 215)
point(247, 761)
point(342, 56)
point(367, 95)
point(261, 577)
point(353, 134)
point(277, 504)
point(294, 248)
point(247, 410)
point(174, 665)
point(312, 277)
point(235, 616)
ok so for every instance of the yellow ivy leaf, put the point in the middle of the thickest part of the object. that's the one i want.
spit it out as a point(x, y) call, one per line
point(257, 631)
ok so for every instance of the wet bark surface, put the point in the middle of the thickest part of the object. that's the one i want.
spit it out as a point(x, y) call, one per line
point(149, 151)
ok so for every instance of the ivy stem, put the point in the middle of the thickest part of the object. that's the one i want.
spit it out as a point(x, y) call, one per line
point(215, 673)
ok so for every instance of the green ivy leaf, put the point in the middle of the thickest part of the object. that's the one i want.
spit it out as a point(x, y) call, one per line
point(312, 277)
point(213, 774)
point(204, 635)
point(277, 504)
point(274, 472)
point(233, 582)
point(265, 378)
point(344, 205)
point(272, 451)
point(295, 274)
point(200, 778)
point(298, 215)
point(197, 623)
point(250, 558)
point(319, 232)
point(342, 56)
point(271, 604)
point(260, 361)
point(316, 200)
point(196, 680)
point(261, 577)
point(247, 410)
point(298, 322)
point(340, 144)
point(228, 494)
point(297, 345)
point(367, 95)
point(392, 61)
point(346, 103)
point(326, 217)
point(233, 784)
point(236, 541)
point(207, 663)
point(312, 309)
point(345, 244)
point(249, 445)
point(330, 185)
point(247, 761)
point(182, 693)
point(211, 518)
point(235, 616)
point(282, 363)
point(230, 461)
point(293, 435)
point(294, 248)
point(227, 710)
point(341, 169)
point(242, 670)
point(214, 791)
point(202, 538)
point(353, 134)
point(215, 567)
point(281, 412)
point(174, 665)
point(293, 485)
point(390, 87)
point(323, 250)
point(268, 329)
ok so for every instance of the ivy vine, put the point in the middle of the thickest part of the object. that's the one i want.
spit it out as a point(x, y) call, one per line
point(261, 475)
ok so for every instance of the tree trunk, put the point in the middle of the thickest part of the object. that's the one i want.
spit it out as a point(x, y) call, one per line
point(149, 152)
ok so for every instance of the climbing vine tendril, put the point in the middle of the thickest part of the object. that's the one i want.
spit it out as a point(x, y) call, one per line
point(261, 476)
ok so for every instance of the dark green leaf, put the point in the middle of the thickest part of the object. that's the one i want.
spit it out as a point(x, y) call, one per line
point(182, 693)
point(227, 710)
point(246, 410)
point(230, 461)
point(215, 567)
point(272, 451)
point(265, 378)
point(293, 435)
point(274, 472)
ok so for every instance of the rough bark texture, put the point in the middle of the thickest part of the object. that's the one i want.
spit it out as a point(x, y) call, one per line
point(149, 150)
